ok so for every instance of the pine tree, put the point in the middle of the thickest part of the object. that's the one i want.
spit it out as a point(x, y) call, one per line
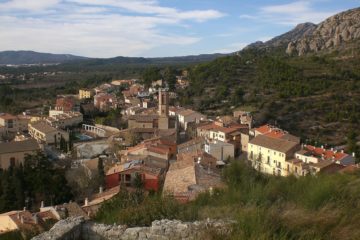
point(18, 183)
point(101, 172)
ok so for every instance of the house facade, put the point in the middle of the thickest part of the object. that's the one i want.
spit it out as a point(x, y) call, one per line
point(14, 153)
point(186, 116)
point(269, 155)
point(47, 134)
point(85, 93)
point(12, 124)
point(64, 119)
point(220, 150)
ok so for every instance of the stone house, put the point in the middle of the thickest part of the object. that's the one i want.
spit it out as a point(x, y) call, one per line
point(14, 153)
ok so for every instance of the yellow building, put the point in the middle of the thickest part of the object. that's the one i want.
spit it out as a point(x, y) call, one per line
point(269, 155)
point(47, 134)
point(85, 93)
point(12, 124)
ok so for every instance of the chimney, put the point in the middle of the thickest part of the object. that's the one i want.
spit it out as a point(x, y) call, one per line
point(22, 219)
point(322, 146)
point(42, 204)
point(211, 191)
point(101, 189)
point(86, 202)
point(342, 150)
point(353, 154)
point(24, 209)
point(36, 218)
point(18, 215)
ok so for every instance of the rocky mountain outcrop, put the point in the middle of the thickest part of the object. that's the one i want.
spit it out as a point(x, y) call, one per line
point(78, 228)
point(300, 31)
point(330, 34)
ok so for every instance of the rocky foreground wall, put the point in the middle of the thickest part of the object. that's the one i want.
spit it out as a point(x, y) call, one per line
point(79, 229)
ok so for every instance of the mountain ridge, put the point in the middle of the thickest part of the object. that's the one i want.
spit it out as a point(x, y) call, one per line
point(331, 34)
point(31, 57)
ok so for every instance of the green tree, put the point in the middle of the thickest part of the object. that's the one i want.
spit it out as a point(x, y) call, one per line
point(237, 96)
point(138, 181)
point(101, 172)
point(151, 74)
point(352, 146)
point(169, 76)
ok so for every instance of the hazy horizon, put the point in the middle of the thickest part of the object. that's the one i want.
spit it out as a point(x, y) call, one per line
point(151, 28)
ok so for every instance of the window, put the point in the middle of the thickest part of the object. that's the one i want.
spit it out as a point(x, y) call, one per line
point(268, 160)
point(127, 177)
point(10, 124)
point(12, 161)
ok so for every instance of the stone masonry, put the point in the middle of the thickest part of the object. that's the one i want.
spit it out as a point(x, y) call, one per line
point(79, 229)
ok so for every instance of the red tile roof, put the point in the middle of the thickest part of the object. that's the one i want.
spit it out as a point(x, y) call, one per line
point(263, 129)
point(208, 126)
point(7, 116)
point(326, 153)
point(159, 149)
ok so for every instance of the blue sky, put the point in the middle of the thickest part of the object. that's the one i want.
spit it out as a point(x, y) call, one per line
point(153, 28)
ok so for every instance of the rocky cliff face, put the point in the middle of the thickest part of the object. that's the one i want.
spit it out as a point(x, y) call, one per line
point(78, 228)
point(301, 30)
point(330, 34)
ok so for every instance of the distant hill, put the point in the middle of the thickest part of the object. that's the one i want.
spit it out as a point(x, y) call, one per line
point(31, 57)
point(149, 61)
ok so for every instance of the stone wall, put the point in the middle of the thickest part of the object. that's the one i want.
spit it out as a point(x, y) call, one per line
point(67, 229)
point(79, 229)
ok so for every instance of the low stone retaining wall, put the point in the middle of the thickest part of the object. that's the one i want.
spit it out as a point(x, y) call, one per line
point(79, 229)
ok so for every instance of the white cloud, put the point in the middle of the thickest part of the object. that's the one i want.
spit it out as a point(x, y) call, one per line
point(105, 28)
point(153, 7)
point(33, 5)
point(233, 47)
point(264, 39)
point(247, 16)
point(290, 14)
point(289, 8)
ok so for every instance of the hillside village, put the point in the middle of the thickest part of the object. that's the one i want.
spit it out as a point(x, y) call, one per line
point(153, 145)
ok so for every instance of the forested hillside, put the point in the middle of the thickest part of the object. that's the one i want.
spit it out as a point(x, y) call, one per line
point(314, 96)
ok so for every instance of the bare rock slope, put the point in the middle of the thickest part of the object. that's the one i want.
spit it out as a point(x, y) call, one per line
point(332, 33)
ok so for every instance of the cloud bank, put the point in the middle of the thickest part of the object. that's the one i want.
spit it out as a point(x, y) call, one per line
point(96, 28)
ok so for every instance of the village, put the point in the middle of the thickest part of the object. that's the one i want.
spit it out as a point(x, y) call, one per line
point(154, 145)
